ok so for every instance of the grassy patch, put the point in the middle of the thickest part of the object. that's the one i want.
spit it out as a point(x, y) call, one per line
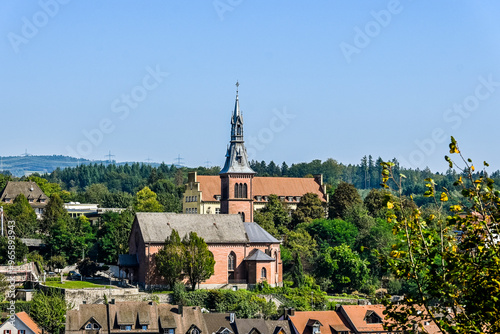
point(75, 285)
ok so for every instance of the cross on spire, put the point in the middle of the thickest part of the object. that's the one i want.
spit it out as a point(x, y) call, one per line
point(237, 85)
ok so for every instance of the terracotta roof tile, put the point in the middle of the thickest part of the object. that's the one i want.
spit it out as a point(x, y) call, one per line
point(264, 186)
point(326, 318)
point(26, 319)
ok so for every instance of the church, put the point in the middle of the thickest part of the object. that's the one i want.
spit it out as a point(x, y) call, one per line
point(245, 254)
point(237, 189)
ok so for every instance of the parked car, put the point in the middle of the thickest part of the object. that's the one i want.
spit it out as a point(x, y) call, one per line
point(74, 275)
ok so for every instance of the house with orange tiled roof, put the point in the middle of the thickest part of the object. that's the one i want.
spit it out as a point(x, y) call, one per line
point(237, 190)
point(20, 324)
point(316, 322)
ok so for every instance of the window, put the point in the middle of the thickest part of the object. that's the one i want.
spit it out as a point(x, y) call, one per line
point(236, 190)
point(89, 326)
point(195, 331)
point(217, 211)
point(168, 331)
point(217, 197)
point(290, 198)
point(263, 273)
point(144, 327)
point(231, 260)
point(7, 331)
point(244, 191)
point(21, 331)
point(96, 326)
point(126, 328)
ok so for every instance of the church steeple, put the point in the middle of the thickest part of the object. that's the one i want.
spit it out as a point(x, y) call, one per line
point(236, 155)
point(237, 175)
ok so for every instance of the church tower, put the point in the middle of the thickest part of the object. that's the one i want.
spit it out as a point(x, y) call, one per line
point(236, 176)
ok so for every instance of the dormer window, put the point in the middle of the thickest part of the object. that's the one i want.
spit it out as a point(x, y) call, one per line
point(372, 318)
point(290, 198)
point(144, 327)
point(168, 331)
point(92, 326)
point(125, 327)
point(217, 197)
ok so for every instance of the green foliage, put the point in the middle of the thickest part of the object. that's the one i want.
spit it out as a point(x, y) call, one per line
point(48, 188)
point(4, 285)
point(70, 238)
point(297, 272)
point(57, 262)
point(347, 271)
point(49, 312)
point(170, 259)
point(88, 268)
point(375, 202)
point(53, 212)
point(309, 208)
point(450, 263)
point(299, 241)
point(344, 197)
point(274, 216)
point(17, 251)
point(145, 201)
point(113, 235)
point(333, 232)
point(23, 214)
point(198, 261)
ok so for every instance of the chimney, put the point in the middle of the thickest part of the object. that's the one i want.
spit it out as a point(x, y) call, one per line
point(180, 310)
point(232, 318)
point(318, 178)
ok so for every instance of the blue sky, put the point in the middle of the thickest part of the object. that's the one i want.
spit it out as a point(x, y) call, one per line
point(318, 80)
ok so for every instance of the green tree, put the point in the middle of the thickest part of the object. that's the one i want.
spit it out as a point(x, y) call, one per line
point(49, 311)
point(347, 271)
point(87, 267)
point(113, 235)
point(344, 197)
point(375, 202)
point(309, 208)
point(170, 259)
point(23, 214)
point(21, 250)
point(297, 271)
point(298, 241)
point(52, 213)
point(275, 211)
point(451, 259)
point(333, 232)
point(48, 188)
point(145, 201)
point(199, 262)
point(57, 262)
point(96, 193)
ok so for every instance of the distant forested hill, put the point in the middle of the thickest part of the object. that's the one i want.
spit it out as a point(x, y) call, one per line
point(41, 164)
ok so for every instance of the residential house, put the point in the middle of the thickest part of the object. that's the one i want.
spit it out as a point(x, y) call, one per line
point(22, 324)
point(226, 323)
point(36, 197)
point(315, 322)
point(135, 317)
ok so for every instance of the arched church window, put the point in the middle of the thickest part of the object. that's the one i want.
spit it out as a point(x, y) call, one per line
point(244, 191)
point(263, 273)
point(231, 261)
point(236, 190)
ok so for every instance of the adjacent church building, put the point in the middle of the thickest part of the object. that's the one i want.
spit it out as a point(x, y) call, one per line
point(237, 190)
point(245, 254)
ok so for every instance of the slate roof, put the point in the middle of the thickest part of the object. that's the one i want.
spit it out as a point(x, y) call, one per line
point(28, 189)
point(216, 322)
point(258, 255)
point(257, 234)
point(155, 227)
point(244, 326)
point(156, 316)
point(210, 187)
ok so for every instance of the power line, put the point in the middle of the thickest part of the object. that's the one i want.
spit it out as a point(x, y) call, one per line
point(180, 161)
point(109, 157)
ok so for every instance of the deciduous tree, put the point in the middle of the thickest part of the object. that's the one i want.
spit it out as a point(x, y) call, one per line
point(170, 259)
point(145, 201)
point(199, 262)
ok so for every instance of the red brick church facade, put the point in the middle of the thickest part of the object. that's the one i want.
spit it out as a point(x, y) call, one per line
point(244, 253)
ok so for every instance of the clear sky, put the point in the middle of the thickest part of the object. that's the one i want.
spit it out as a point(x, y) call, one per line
point(318, 79)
